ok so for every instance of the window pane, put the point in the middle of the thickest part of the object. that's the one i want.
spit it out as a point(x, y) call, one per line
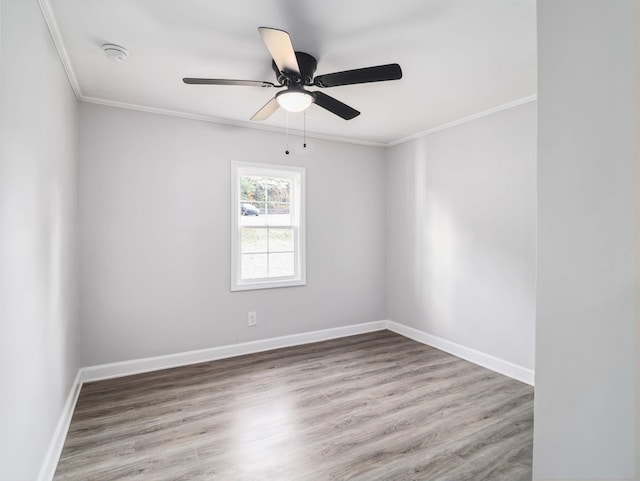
point(278, 213)
point(278, 190)
point(280, 240)
point(253, 240)
point(280, 265)
point(253, 266)
point(252, 188)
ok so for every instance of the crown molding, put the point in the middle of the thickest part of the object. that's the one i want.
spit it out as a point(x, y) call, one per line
point(464, 120)
point(299, 133)
point(218, 120)
point(52, 24)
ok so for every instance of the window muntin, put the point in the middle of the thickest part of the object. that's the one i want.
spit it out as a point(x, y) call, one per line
point(267, 219)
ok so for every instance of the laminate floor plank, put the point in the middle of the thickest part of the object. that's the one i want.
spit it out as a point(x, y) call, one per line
point(369, 407)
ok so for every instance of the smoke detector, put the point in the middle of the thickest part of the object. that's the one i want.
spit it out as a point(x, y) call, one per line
point(115, 52)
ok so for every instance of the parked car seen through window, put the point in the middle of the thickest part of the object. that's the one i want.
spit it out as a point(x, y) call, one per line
point(248, 209)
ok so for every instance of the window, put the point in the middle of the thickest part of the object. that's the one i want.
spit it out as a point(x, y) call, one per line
point(267, 226)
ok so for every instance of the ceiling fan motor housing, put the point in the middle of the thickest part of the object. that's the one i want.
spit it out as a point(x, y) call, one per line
point(307, 65)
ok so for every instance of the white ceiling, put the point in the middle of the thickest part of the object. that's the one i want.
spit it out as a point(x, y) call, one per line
point(459, 58)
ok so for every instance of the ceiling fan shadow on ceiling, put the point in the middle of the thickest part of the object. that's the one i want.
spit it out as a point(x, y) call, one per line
point(295, 70)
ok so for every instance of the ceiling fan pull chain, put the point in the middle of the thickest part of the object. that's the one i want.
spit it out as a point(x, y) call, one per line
point(287, 150)
point(304, 129)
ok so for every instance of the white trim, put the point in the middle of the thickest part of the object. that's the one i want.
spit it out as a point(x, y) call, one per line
point(464, 120)
point(50, 20)
point(296, 176)
point(219, 120)
point(488, 361)
point(137, 366)
point(48, 468)
point(298, 133)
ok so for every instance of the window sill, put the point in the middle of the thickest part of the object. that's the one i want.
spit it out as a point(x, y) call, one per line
point(264, 284)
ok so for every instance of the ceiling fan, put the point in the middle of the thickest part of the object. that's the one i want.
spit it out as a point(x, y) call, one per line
point(294, 70)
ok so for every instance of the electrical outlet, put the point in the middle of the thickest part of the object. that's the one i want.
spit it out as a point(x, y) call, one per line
point(252, 317)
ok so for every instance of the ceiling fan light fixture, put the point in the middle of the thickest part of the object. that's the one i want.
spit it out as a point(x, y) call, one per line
point(294, 99)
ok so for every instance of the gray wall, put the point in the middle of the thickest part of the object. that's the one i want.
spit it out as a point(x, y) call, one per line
point(155, 242)
point(38, 281)
point(587, 240)
point(461, 234)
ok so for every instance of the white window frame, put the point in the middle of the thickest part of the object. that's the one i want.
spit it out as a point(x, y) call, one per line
point(297, 209)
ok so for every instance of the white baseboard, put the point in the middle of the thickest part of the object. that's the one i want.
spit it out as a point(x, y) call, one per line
point(137, 366)
point(48, 468)
point(488, 361)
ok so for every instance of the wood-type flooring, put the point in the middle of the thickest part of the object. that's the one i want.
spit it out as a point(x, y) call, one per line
point(375, 406)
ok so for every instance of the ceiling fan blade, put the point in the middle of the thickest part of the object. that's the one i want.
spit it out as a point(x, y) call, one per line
point(335, 106)
point(279, 45)
point(220, 81)
point(267, 109)
point(379, 73)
